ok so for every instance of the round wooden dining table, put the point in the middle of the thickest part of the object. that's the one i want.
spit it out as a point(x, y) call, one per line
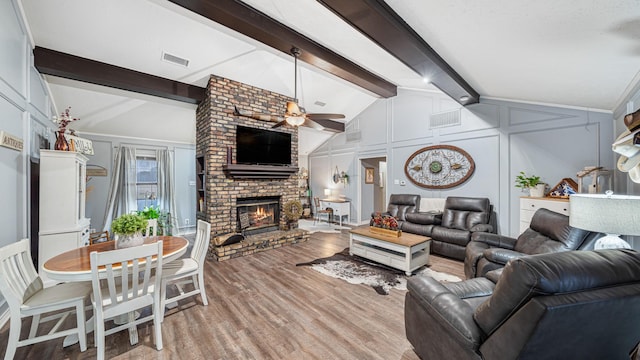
point(75, 265)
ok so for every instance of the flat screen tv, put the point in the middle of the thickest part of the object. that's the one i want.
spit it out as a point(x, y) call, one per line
point(262, 147)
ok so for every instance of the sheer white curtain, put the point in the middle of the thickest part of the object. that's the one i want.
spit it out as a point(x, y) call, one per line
point(122, 191)
point(166, 185)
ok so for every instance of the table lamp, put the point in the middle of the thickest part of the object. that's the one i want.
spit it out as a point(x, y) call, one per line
point(611, 214)
point(327, 193)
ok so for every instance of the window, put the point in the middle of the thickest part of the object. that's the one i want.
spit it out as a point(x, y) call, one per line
point(146, 182)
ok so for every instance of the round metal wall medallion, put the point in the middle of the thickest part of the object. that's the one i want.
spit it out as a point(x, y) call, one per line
point(439, 167)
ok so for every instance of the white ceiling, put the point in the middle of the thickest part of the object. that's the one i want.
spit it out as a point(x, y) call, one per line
point(577, 53)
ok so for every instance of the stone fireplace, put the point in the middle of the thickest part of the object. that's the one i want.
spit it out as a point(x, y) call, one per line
point(232, 189)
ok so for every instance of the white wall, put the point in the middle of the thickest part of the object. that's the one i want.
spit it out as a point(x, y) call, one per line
point(502, 137)
point(24, 110)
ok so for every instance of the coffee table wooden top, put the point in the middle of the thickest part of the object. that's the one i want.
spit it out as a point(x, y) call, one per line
point(75, 265)
point(405, 239)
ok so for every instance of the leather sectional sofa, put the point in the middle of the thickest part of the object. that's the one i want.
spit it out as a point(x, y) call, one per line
point(565, 305)
point(451, 229)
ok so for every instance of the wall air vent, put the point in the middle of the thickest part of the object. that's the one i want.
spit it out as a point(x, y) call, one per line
point(175, 59)
point(444, 119)
point(352, 130)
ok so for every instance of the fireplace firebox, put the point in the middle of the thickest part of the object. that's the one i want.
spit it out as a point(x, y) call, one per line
point(258, 214)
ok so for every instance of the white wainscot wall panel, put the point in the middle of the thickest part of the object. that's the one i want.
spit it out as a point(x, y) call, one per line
point(474, 118)
point(529, 115)
point(553, 154)
point(13, 58)
point(39, 97)
point(410, 115)
point(373, 124)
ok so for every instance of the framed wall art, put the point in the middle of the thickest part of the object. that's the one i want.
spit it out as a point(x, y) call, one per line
point(368, 175)
point(439, 167)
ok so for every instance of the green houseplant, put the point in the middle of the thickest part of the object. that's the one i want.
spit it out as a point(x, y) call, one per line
point(128, 230)
point(532, 183)
point(164, 218)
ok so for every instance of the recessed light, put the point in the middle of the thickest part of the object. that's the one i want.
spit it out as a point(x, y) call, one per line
point(464, 98)
point(426, 80)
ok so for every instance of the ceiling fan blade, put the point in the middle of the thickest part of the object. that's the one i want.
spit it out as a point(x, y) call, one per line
point(281, 123)
point(325, 116)
point(312, 124)
point(257, 116)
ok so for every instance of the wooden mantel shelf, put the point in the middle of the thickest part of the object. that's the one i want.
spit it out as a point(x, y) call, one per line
point(240, 171)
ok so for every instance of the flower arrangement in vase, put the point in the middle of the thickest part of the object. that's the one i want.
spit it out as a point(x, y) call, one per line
point(63, 121)
point(384, 224)
point(128, 230)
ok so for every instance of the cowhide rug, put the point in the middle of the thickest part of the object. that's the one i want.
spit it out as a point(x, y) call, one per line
point(357, 270)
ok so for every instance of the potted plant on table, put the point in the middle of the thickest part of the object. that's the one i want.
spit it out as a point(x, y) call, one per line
point(532, 183)
point(128, 230)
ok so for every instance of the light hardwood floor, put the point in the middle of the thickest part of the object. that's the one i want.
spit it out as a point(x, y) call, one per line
point(264, 307)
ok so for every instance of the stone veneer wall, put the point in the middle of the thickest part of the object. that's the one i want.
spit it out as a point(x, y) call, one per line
point(216, 131)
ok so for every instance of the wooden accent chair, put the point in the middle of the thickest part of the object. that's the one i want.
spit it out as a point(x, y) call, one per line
point(318, 212)
point(152, 227)
point(129, 287)
point(23, 290)
point(188, 270)
point(98, 237)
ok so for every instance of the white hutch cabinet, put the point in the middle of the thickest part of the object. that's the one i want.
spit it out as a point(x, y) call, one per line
point(63, 225)
point(529, 205)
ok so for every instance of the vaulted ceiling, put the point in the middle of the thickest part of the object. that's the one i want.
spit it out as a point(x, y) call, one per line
point(581, 54)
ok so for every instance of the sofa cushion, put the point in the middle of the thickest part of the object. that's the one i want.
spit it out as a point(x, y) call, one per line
point(401, 204)
point(453, 236)
point(463, 213)
point(419, 229)
point(556, 273)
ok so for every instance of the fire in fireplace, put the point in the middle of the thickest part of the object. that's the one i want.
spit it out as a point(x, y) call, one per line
point(258, 214)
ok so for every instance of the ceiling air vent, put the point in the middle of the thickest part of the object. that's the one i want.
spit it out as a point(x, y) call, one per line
point(175, 59)
point(444, 119)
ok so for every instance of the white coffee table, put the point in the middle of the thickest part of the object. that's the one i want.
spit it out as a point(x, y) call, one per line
point(407, 252)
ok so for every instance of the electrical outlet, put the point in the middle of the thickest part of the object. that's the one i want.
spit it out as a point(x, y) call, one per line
point(187, 221)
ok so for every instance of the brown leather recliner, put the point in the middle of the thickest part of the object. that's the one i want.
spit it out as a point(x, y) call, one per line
point(548, 232)
point(567, 305)
point(400, 205)
point(462, 216)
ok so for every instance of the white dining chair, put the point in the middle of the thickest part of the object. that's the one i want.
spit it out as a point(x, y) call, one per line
point(129, 286)
point(152, 227)
point(188, 270)
point(23, 290)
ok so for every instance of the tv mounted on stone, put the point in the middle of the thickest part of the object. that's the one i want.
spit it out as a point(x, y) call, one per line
point(262, 147)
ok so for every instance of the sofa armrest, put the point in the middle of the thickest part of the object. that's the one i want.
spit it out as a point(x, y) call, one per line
point(482, 228)
point(446, 307)
point(501, 256)
point(494, 240)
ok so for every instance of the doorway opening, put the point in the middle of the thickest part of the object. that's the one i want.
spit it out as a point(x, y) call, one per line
point(373, 186)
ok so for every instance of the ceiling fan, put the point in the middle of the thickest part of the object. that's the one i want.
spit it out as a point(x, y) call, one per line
point(294, 114)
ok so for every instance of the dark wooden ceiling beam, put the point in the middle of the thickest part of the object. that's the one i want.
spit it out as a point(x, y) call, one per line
point(250, 22)
point(331, 125)
point(376, 20)
point(51, 62)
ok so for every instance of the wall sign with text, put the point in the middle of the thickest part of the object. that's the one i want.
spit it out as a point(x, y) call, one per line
point(439, 167)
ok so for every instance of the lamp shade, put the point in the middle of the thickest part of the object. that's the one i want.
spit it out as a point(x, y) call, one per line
point(609, 214)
